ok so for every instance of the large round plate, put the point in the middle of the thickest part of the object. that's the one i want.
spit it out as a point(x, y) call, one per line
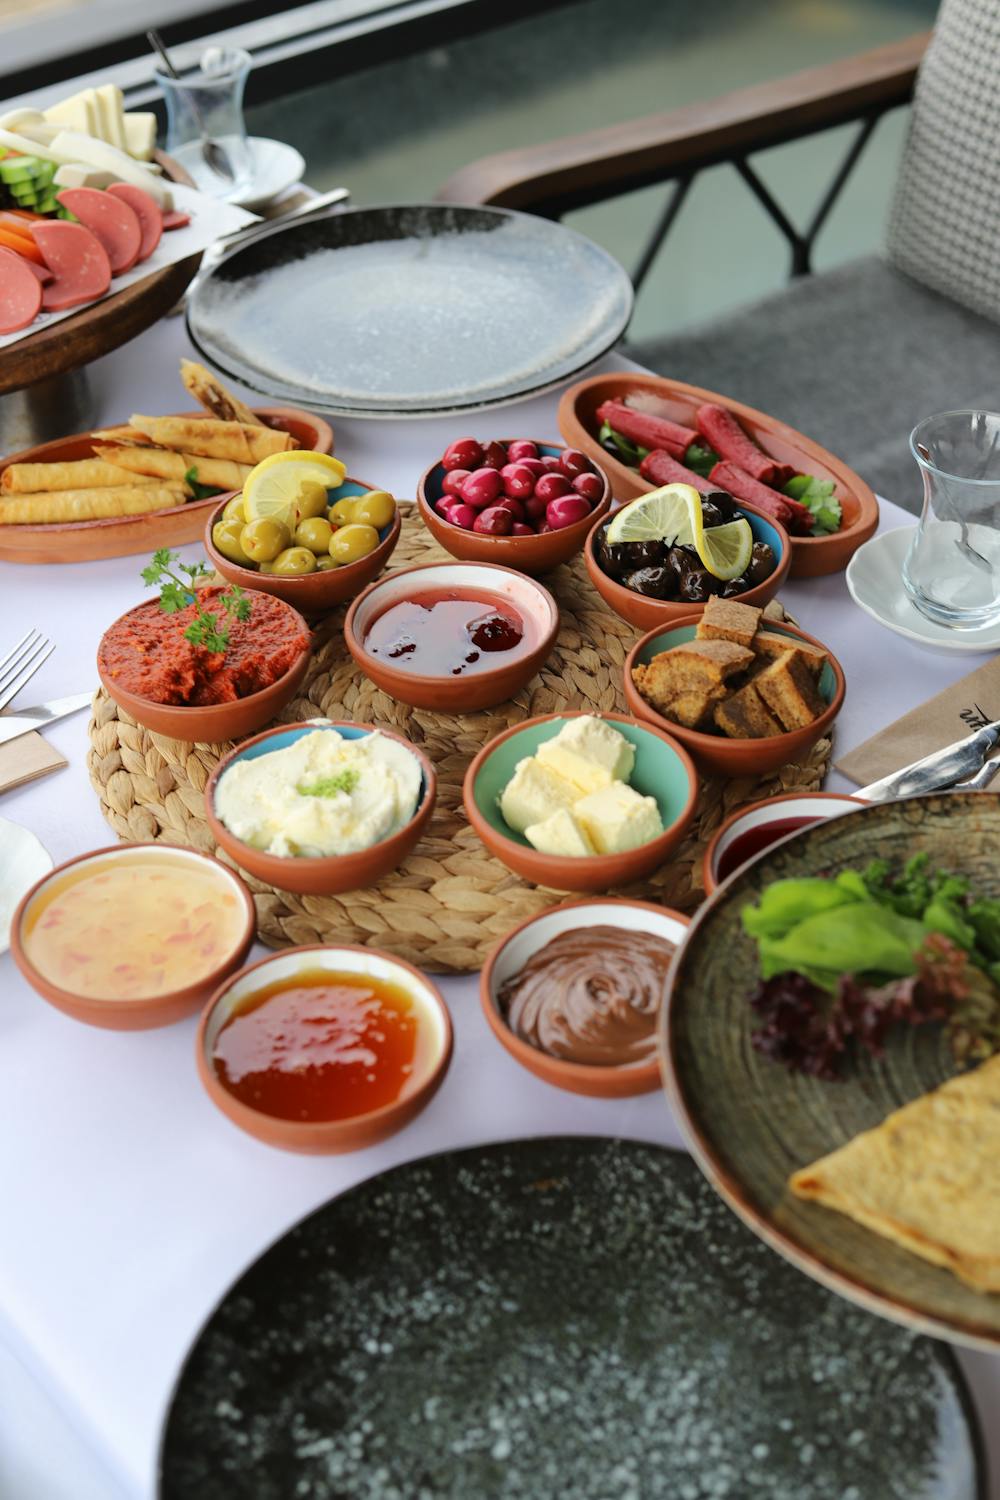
point(420, 310)
point(751, 1123)
point(553, 1318)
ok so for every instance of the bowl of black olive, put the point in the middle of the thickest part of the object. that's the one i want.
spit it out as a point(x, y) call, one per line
point(652, 582)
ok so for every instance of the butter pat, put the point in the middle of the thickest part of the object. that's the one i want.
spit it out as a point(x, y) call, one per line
point(589, 753)
point(559, 834)
point(618, 818)
point(532, 793)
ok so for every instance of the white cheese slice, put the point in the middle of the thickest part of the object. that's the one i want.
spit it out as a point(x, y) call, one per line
point(28, 147)
point(71, 146)
point(111, 115)
point(140, 134)
point(78, 112)
point(78, 174)
point(19, 119)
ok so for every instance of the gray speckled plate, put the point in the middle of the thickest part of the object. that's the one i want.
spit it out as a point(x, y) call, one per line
point(416, 310)
point(554, 1318)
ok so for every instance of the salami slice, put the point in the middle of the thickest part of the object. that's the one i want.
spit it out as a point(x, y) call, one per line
point(20, 294)
point(146, 210)
point(41, 273)
point(78, 261)
point(114, 223)
point(175, 219)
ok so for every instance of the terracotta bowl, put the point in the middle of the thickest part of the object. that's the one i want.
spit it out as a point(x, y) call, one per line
point(211, 723)
point(811, 556)
point(322, 875)
point(765, 820)
point(529, 554)
point(663, 770)
point(314, 593)
point(120, 536)
point(716, 754)
point(328, 1136)
point(514, 951)
point(158, 1010)
point(646, 613)
point(513, 669)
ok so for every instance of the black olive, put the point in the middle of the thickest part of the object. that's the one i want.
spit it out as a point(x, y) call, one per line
point(683, 560)
point(619, 558)
point(736, 586)
point(711, 515)
point(698, 585)
point(658, 582)
point(761, 563)
point(723, 503)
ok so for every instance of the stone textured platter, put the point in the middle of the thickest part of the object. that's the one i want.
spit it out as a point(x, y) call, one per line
point(751, 1123)
point(554, 1318)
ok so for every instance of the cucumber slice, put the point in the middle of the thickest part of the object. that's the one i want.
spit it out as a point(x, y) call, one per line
point(48, 204)
point(14, 171)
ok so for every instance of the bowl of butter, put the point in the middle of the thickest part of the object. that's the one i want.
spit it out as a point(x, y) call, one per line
point(321, 807)
point(581, 802)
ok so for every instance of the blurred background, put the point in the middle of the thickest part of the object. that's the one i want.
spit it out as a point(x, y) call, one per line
point(389, 99)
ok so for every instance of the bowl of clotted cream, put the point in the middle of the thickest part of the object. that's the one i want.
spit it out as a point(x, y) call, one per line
point(321, 807)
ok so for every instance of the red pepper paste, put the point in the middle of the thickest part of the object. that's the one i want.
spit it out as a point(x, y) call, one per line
point(145, 651)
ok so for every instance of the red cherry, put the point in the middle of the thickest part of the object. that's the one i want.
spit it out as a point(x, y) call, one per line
point(463, 453)
point(515, 507)
point(573, 462)
point(481, 488)
point(551, 486)
point(590, 486)
point(519, 528)
point(534, 508)
point(518, 481)
point(463, 516)
point(521, 448)
point(566, 511)
point(452, 482)
point(494, 521)
point(494, 455)
point(551, 465)
point(536, 465)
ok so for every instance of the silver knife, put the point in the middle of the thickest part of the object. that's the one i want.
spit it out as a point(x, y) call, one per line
point(936, 771)
point(12, 726)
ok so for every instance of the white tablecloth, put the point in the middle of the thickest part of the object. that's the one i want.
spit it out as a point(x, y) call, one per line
point(128, 1204)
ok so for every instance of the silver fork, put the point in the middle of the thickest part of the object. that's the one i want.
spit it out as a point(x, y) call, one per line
point(21, 664)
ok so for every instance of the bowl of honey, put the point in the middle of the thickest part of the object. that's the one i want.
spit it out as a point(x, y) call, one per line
point(324, 1049)
point(452, 637)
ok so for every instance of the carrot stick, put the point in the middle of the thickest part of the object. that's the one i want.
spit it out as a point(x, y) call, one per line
point(16, 242)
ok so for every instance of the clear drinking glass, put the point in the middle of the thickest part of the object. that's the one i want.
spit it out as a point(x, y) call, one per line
point(206, 103)
point(952, 570)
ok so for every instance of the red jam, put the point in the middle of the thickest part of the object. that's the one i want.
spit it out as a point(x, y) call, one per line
point(754, 840)
point(443, 632)
point(321, 1046)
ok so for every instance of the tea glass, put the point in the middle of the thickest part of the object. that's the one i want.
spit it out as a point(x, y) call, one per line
point(206, 103)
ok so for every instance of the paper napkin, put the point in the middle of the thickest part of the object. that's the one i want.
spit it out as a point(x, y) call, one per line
point(25, 758)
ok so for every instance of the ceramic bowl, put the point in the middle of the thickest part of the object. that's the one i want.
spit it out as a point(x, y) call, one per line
point(765, 820)
point(646, 613)
point(716, 754)
point(519, 946)
point(324, 875)
point(513, 669)
point(875, 583)
point(811, 556)
point(663, 770)
point(328, 1136)
point(314, 593)
point(156, 1010)
point(529, 554)
point(213, 722)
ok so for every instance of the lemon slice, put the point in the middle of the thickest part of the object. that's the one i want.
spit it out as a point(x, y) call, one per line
point(725, 550)
point(271, 489)
point(671, 514)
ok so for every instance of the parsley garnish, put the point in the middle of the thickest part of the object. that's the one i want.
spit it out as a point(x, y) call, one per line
point(817, 496)
point(329, 786)
point(205, 629)
point(630, 452)
point(199, 491)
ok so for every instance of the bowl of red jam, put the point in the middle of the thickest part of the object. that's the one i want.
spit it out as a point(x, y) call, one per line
point(324, 1049)
point(452, 637)
point(751, 830)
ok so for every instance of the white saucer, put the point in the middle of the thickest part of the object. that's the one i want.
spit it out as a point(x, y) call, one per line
point(23, 860)
point(875, 581)
point(277, 166)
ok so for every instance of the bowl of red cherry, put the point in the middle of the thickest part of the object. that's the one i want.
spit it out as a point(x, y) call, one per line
point(515, 501)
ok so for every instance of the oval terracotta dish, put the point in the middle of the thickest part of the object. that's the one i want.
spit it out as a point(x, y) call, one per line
point(717, 754)
point(751, 1123)
point(759, 819)
point(313, 593)
point(324, 875)
point(120, 536)
point(156, 1010)
point(514, 951)
point(456, 694)
point(663, 769)
point(645, 613)
point(354, 1132)
point(811, 556)
point(529, 554)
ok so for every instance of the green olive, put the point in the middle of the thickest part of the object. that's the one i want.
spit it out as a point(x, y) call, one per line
point(353, 542)
point(341, 512)
point(311, 499)
point(263, 540)
point(295, 561)
point(314, 533)
point(326, 565)
point(266, 568)
point(234, 509)
point(377, 509)
point(226, 537)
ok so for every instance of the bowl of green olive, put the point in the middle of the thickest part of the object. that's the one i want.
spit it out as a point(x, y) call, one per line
point(342, 538)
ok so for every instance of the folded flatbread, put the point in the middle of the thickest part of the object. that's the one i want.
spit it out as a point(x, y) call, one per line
point(89, 505)
point(163, 463)
point(213, 395)
point(74, 474)
point(928, 1177)
point(211, 439)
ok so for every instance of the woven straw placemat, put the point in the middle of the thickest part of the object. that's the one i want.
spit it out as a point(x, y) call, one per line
point(446, 906)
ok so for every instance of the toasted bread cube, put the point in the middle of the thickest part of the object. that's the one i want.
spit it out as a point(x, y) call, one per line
point(659, 681)
point(708, 662)
point(788, 689)
point(745, 716)
point(725, 620)
point(693, 708)
point(768, 645)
